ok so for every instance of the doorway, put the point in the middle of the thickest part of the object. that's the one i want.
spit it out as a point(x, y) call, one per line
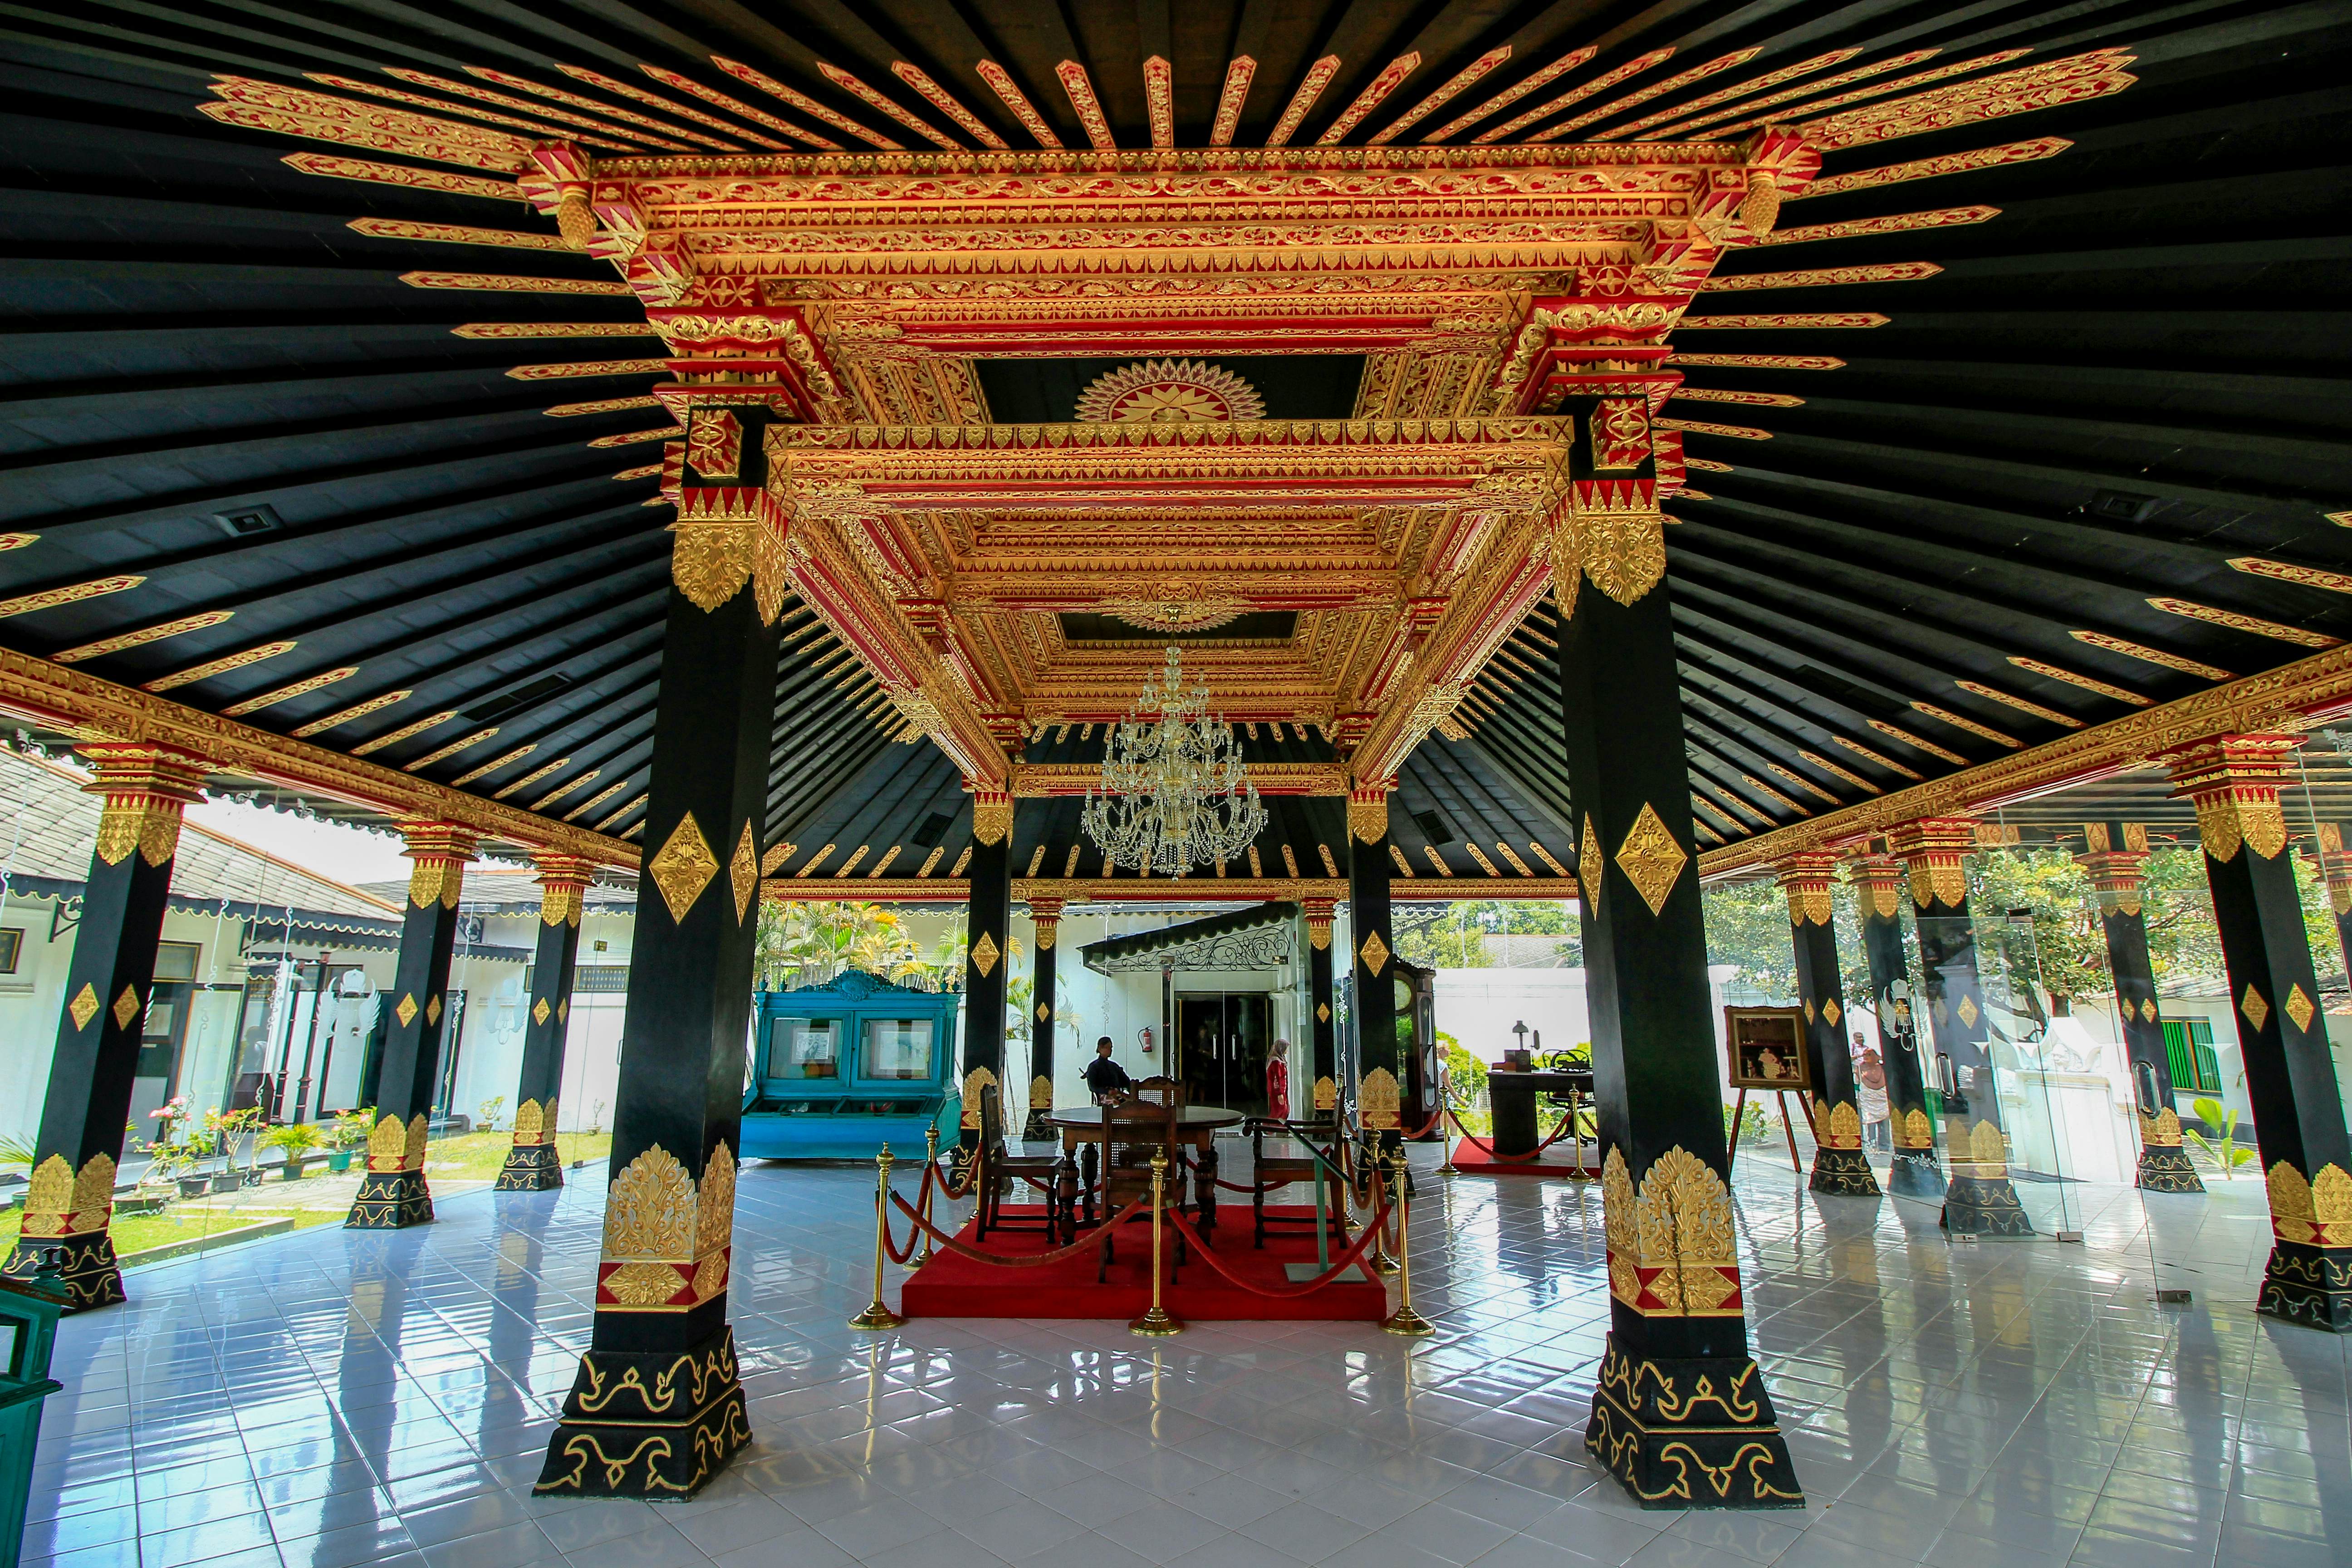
point(1221, 1039)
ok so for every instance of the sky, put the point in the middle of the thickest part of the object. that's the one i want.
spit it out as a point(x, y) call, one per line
point(329, 848)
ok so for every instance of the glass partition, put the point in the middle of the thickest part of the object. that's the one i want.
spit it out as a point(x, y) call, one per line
point(804, 1048)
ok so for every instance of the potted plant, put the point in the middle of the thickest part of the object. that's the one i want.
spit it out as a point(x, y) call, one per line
point(296, 1138)
point(347, 1135)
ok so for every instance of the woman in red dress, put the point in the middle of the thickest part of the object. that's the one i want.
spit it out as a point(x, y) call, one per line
point(1278, 1081)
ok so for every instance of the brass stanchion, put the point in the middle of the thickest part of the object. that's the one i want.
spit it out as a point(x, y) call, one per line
point(931, 1185)
point(1404, 1319)
point(1378, 1259)
point(1445, 1132)
point(877, 1316)
point(1156, 1320)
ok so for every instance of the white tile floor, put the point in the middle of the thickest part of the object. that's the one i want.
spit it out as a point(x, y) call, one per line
point(331, 1399)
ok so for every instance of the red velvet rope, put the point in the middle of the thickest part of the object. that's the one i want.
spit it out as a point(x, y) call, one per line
point(965, 1249)
point(1489, 1150)
point(896, 1255)
point(1346, 1260)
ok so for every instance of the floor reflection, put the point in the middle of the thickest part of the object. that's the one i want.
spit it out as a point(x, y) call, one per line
point(332, 1398)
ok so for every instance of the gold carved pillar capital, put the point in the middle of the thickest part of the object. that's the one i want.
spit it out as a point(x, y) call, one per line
point(2336, 865)
point(1318, 921)
point(1934, 851)
point(563, 885)
point(442, 851)
point(2115, 857)
point(1368, 811)
point(1878, 882)
point(992, 814)
point(1046, 914)
point(146, 789)
point(1808, 877)
point(2234, 782)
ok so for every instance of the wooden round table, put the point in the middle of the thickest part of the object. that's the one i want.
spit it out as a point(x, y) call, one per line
point(1080, 1127)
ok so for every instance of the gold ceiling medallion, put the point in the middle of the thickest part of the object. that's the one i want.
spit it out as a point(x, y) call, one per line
point(1168, 390)
point(985, 955)
point(1374, 952)
point(1176, 604)
point(683, 867)
point(1651, 858)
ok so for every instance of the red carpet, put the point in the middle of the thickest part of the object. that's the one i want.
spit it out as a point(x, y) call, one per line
point(1559, 1159)
point(954, 1286)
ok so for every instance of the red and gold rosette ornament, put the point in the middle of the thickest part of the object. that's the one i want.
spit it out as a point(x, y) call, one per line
point(668, 1239)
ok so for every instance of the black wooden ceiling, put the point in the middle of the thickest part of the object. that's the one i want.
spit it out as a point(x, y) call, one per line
point(2128, 375)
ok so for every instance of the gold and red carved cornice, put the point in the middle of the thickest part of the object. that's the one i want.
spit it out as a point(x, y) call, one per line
point(1198, 890)
point(2307, 691)
point(1054, 781)
point(146, 789)
point(2233, 781)
point(1809, 879)
point(86, 705)
point(563, 882)
point(1934, 851)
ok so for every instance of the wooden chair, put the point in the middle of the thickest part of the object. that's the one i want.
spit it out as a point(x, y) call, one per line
point(1000, 1173)
point(1162, 1090)
point(1132, 1133)
point(1294, 1165)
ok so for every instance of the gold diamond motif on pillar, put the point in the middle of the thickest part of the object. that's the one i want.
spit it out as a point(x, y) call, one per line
point(1589, 866)
point(2257, 1011)
point(683, 867)
point(84, 1006)
point(1374, 952)
point(126, 1007)
point(406, 1012)
point(743, 872)
point(985, 955)
point(541, 1013)
point(2299, 1007)
point(1651, 858)
point(1830, 1009)
point(433, 1012)
point(1969, 1012)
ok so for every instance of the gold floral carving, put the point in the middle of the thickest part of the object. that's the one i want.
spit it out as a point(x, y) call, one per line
point(2227, 817)
point(1844, 1127)
point(1623, 554)
point(1323, 1011)
point(1374, 952)
point(425, 879)
point(1671, 1251)
point(743, 872)
point(649, 1213)
point(683, 867)
point(2256, 1009)
point(985, 955)
point(1377, 1101)
point(1987, 1150)
point(529, 1121)
point(59, 1202)
point(1368, 815)
point(2161, 1130)
point(1318, 934)
point(387, 1145)
point(1592, 867)
point(412, 1150)
point(2299, 1006)
point(1040, 1093)
point(714, 1216)
point(560, 904)
point(992, 817)
point(978, 1085)
point(2318, 1211)
point(1809, 901)
point(1918, 1131)
point(1649, 857)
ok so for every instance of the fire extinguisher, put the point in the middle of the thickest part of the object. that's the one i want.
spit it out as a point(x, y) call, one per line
point(1145, 1036)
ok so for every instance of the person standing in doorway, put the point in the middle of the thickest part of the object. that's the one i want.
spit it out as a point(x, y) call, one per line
point(1278, 1081)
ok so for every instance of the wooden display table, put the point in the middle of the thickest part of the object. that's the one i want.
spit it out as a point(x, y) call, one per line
point(1080, 1127)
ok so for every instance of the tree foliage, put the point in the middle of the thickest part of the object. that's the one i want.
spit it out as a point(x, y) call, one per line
point(1454, 936)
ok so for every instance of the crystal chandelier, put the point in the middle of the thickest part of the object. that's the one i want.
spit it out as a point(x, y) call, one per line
point(1174, 792)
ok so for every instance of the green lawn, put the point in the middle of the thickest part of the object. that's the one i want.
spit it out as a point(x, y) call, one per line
point(322, 1197)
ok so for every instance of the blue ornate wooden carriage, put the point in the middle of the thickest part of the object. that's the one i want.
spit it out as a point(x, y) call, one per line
point(837, 1070)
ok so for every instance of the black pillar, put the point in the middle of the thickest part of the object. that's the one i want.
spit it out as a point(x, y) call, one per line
point(533, 1164)
point(393, 1191)
point(1378, 1064)
point(2116, 860)
point(1677, 1318)
point(1980, 1199)
point(1840, 1166)
point(1878, 887)
point(1046, 914)
point(70, 1199)
point(656, 1407)
point(2282, 1035)
point(1319, 1097)
point(988, 941)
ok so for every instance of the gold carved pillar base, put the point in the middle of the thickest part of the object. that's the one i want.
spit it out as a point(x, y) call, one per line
point(390, 1200)
point(530, 1168)
point(85, 1263)
point(1690, 1433)
point(655, 1425)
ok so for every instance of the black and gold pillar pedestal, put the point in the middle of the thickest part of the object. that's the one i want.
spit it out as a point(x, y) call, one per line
point(393, 1192)
point(1680, 1414)
point(2115, 860)
point(533, 1164)
point(70, 1202)
point(988, 956)
point(1979, 1199)
point(2282, 1037)
point(1840, 1167)
point(1046, 914)
point(1319, 1096)
point(1881, 885)
point(656, 1408)
point(1380, 1066)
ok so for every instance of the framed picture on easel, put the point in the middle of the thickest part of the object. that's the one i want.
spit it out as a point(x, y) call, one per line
point(1766, 1047)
